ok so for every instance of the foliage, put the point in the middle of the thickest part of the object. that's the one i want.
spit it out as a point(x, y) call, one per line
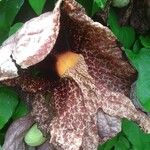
point(98, 4)
point(15, 27)
point(8, 103)
point(125, 34)
point(92, 6)
point(11, 108)
point(8, 11)
point(20, 111)
point(145, 40)
point(37, 6)
point(141, 61)
point(131, 137)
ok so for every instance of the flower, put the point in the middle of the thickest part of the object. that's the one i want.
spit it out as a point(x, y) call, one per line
point(85, 106)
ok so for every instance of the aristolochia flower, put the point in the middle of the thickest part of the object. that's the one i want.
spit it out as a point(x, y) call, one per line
point(85, 105)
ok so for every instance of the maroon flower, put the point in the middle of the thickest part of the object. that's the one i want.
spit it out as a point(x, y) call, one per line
point(85, 105)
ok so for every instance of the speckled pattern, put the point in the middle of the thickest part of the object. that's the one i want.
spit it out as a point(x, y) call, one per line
point(104, 77)
point(112, 102)
point(43, 110)
point(67, 128)
point(30, 44)
point(87, 104)
point(28, 83)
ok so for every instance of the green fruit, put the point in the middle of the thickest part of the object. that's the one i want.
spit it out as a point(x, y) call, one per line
point(34, 136)
point(120, 3)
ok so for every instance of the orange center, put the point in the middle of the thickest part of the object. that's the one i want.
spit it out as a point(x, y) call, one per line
point(66, 61)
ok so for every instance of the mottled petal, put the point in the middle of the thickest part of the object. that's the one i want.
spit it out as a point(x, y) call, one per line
point(93, 96)
point(7, 66)
point(43, 110)
point(67, 128)
point(93, 39)
point(31, 44)
point(28, 83)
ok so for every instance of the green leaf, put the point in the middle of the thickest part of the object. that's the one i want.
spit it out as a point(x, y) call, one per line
point(15, 28)
point(132, 132)
point(125, 34)
point(131, 137)
point(8, 11)
point(92, 6)
point(37, 5)
point(145, 138)
point(20, 111)
point(134, 148)
point(145, 40)
point(119, 146)
point(141, 62)
point(109, 144)
point(124, 141)
point(2, 136)
point(87, 5)
point(137, 46)
point(8, 103)
point(97, 5)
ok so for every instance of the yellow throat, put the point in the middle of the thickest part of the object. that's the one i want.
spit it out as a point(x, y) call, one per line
point(66, 61)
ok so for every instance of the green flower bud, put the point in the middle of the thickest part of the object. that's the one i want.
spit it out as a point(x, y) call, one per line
point(34, 136)
point(120, 3)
